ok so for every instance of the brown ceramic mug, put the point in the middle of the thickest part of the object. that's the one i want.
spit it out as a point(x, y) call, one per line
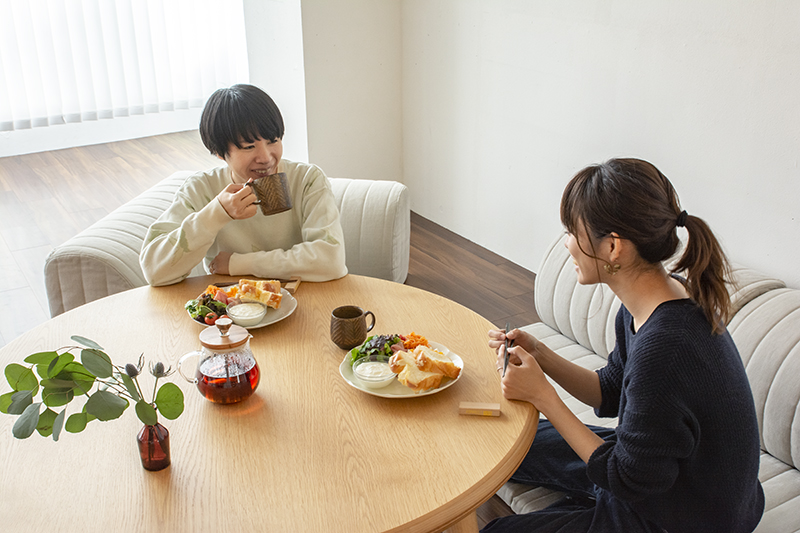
point(273, 193)
point(349, 326)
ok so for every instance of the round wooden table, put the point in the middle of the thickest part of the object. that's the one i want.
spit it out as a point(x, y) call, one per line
point(306, 452)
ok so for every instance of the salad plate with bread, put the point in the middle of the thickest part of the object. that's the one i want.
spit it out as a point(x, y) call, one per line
point(249, 303)
point(401, 366)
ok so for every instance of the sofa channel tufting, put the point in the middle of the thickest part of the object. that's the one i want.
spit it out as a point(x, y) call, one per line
point(577, 322)
point(104, 258)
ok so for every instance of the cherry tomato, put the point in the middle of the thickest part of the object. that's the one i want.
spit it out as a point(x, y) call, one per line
point(211, 318)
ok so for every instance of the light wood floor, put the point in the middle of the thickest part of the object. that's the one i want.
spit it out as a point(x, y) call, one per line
point(48, 197)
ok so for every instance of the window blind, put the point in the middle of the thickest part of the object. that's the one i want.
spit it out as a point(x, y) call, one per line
point(64, 61)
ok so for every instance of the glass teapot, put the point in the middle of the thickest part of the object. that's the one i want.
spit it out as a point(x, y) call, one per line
point(226, 372)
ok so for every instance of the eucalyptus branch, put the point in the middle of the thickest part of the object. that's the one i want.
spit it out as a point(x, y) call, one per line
point(118, 390)
point(139, 388)
point(68, 379)
point(155, 387)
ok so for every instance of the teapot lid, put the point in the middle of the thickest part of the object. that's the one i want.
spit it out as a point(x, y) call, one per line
point(223, 335)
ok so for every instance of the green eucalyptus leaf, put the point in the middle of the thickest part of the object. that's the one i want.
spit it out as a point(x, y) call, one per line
point(131, 386)
point(83, 386)
point(75, 371)
point(42, 370)
point(89, 343)
point(89, 416)
point(57, 365)
point(76, 422)
point(45, 424)
point(146, 413)
point(5, 401)
point(20, 401)
point(41, 358)
point(82, 379)
point(97, 362)
point(21, 378)
point(57, 396)
point(106, 405)
point(58, 424)
point(26, 424)
point(170, 401)
point(57, 383)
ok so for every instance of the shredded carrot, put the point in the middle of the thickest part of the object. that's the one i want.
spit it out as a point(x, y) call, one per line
point(413, 340)
point(211, 289)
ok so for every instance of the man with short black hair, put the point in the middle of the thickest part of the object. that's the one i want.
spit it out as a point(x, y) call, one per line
point(214, 218)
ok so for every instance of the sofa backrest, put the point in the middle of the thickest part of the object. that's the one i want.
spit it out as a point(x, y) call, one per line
point(767, 333)
point(104, 258)
point(586, 313)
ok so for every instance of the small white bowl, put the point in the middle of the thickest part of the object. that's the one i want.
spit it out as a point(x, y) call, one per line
point(373, 374)
point(247, 314)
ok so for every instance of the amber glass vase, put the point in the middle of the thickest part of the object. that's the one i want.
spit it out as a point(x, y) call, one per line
point(153, 444)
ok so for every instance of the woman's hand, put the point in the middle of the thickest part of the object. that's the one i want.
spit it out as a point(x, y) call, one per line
point(525, 380)
point(528, 342)
point(238, 201)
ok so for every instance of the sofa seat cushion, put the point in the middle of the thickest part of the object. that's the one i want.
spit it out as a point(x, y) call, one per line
point(781, 483)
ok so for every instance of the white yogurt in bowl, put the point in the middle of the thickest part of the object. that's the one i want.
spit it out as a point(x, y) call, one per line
point(373, 374)
point(247, 314)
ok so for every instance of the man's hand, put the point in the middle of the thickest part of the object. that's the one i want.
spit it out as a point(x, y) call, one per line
point(238, 201)
point(221, 263)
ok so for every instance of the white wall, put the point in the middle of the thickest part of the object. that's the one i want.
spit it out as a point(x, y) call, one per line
point(354, 87)
point(275, 59)
point(503, 101)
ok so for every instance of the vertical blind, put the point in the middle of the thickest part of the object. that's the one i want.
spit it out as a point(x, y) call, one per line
point(65, 61)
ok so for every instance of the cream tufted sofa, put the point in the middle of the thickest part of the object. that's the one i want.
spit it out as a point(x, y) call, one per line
point(104, 258)
point(578, 323)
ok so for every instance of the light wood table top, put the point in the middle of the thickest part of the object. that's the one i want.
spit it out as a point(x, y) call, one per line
point(306, 452)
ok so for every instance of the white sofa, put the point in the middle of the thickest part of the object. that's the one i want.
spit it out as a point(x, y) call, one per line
point(578, 323)
point(104, 258)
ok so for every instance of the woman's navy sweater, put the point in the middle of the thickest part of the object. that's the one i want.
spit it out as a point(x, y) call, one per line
point(686, 450)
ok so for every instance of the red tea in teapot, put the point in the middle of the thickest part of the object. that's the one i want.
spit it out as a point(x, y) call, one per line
point(227, 379)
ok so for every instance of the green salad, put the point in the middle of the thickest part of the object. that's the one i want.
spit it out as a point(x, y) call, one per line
point(377, 347)
point(204, 306)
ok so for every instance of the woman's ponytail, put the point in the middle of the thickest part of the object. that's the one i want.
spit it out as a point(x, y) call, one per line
point(706, 270)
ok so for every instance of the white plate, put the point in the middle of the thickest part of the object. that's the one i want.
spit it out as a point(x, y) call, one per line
point(288, 305)
point(397, 389)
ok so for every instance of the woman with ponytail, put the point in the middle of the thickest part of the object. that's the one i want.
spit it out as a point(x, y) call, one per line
point(684, 456)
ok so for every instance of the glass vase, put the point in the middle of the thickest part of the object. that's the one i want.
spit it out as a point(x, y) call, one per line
point(153, 444)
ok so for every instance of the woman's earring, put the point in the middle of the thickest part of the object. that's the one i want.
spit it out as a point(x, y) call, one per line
point(612, 269)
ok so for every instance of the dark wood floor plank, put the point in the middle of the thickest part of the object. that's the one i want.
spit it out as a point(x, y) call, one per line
point(469, 246)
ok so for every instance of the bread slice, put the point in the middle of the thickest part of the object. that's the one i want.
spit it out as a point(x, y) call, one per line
point(419, 380)
point(432, 360)
point(261, 291)
point(407, 367)
point(400, 360)
point(267, 285)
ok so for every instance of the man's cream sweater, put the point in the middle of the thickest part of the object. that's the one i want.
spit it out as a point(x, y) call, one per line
point(306, 241)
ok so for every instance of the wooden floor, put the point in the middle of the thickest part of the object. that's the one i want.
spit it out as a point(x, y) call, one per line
point(47, 198)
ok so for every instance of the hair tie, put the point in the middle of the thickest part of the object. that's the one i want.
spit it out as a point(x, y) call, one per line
point(681, 222)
